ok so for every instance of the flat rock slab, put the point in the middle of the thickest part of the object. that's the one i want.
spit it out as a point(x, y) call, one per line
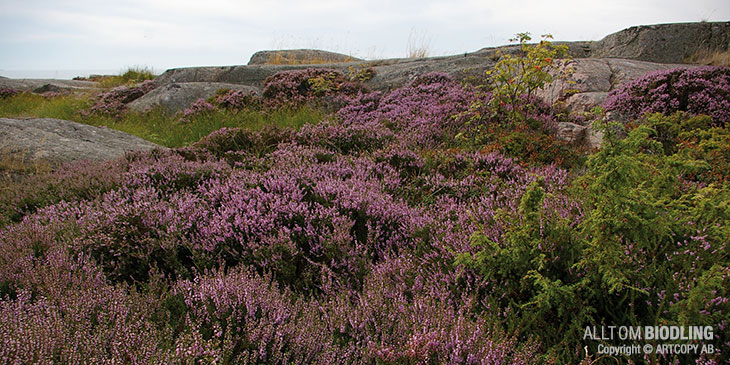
point(389, 74)
point(57, 140)
point(298, 57)
point(177, 96)
point(43, 85)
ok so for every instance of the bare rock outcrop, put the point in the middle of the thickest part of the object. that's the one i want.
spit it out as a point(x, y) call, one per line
point(45, 85)
point(56, 140)
point(389, 74)
point(571, 132)
point(253, 75)
point(598, 67)
point(179, 95)
point(299, 57)
point(664, 43)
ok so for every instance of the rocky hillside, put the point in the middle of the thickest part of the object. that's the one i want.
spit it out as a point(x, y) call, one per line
point(650, 47)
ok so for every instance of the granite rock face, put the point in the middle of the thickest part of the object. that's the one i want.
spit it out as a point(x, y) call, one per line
point(56, 140)
point(176, 97)
point(253, 75)
point(299, 57)
point(664, 43)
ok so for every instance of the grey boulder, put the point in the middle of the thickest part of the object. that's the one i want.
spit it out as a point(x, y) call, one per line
point(395, 73)
point(253, 75)
point(56, 140)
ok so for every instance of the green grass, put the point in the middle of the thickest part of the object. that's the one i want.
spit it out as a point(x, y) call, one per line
point(133, 75)
point(156, 126)
point(27, 105)
point(166, 129)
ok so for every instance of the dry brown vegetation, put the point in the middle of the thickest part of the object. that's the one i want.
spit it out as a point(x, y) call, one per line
point(418, 45)
point(711, 57)
point(15, 165)
point(279, 58)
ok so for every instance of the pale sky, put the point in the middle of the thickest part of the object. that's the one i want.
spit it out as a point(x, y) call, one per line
point(160, 34)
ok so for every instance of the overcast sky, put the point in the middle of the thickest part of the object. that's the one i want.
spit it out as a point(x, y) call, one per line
point(161, 34)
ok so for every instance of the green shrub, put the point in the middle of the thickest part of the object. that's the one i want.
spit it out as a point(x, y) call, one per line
point(695, 143)
point(530, 276)
point(510, 118)
point(652, 238)
point(515, 79)
point(651, 248)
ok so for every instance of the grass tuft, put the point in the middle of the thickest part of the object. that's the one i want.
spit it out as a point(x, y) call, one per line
point(29, 105)
point(132, 76)
point(15, 162)
point(279, 58)
point(711, 57)
point(418, 45)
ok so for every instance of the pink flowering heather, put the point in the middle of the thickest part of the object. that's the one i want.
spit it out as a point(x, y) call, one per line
point(197, 107)
point(58, 308)
point(370, 237)
point(700, 90)
point(224, 99)
point(7, 92)
point(234, 99)
point(297, 87)
point(314, 225)
point(423, 112)
point(114, 101)
point(70, 182)
point(330, 245)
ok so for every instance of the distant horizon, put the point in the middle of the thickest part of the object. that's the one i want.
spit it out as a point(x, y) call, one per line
point(59, 74)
